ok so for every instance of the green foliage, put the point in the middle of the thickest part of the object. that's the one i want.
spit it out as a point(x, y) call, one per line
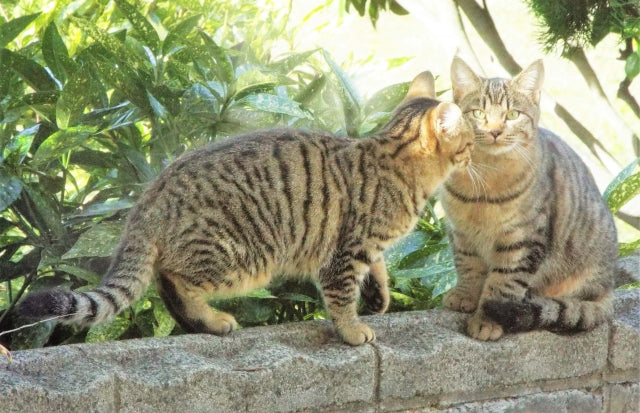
point(373, 7)
point(96, 98)
point(624, 187)
point(568, 24)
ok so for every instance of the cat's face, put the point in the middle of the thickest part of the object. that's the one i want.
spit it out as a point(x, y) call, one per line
point(454, 135)
point(503, 112)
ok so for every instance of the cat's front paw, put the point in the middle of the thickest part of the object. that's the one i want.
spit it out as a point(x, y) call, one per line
point(357, 334)
point(482, 328)
point(458, 300)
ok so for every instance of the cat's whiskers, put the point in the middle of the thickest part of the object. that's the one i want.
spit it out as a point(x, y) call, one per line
point(520, 150)
point(477, 181)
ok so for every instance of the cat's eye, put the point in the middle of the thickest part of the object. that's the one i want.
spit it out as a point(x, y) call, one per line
point(478, 114)
point(513, 114)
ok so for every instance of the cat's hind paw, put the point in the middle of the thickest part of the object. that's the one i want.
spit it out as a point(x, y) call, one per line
point(357, 334)
point(222, 324)
point(483, 329)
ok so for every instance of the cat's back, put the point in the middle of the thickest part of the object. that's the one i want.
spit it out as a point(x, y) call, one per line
point(581, 218)
point(268, 190)
point(265, 145)
point(561, 157)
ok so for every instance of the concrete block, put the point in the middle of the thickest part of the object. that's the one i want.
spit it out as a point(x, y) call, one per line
point(568, 401)
point(279, 368)
point(623, 398)
point(624, 352)
point(425, 354)
point(59, 379)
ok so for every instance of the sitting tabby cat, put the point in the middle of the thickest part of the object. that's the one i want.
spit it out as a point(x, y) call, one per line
point(222, 219)
point(533, 241)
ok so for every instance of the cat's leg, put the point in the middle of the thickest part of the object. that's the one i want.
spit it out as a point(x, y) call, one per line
point(515, 264)
point(189, 307)
point(472, 273)
point(479, 325)
point(375, 289)
point(340, 281)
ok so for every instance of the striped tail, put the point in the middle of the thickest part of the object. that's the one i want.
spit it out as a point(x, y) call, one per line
point(556, 314)
point(129, 275)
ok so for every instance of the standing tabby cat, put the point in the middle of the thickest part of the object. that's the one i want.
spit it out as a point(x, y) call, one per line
point(534, 243)
point(222, 219)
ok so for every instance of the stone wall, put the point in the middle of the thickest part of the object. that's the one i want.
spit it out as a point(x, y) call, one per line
point(420, 363)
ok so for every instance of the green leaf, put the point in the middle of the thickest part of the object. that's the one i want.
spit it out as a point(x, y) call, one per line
point(18, 146)
point(261, 293)
point(32, 337)
point(108, 41)
point(109, 331)
point(10, 189)
point(47, 208)
point(89, 276)
point(119, 74)
point(148, 34)
point(297, 297)
point(62, 141)
point(275, 104)
point(87, 159)
point(11, 29)
point(410, 243)
point(350, 99)
point(410, 273)
point(158, 109)
point(396, 8)
point(632, 65)
point(309, 91)
point(164, 321)
point(224, 68)
point(100, 240)
point(138, 160)
point(626, 248)
point(445, 282)
point(429, 274)
point(256, 88)
point(624, 186)
point(55, 53)
point(287, 64)
point(178, 34)
point(6, 73)
point(106, 208)
point(32, 73)
point(37, 98)
point(427, 250)
point(386, 99)
point(74, 98)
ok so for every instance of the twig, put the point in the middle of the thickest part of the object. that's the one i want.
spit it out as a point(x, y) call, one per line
point(34, 324)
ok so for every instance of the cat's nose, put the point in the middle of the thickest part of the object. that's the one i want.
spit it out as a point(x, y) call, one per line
point(495, 133)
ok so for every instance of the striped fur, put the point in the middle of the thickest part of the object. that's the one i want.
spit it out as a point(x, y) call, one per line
point(224, 218)
point(534, 243)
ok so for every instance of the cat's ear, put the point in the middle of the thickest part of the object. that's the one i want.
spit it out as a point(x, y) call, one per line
point(448, 120)
point(529, 81)
point(423, 86)
point(463, 79)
